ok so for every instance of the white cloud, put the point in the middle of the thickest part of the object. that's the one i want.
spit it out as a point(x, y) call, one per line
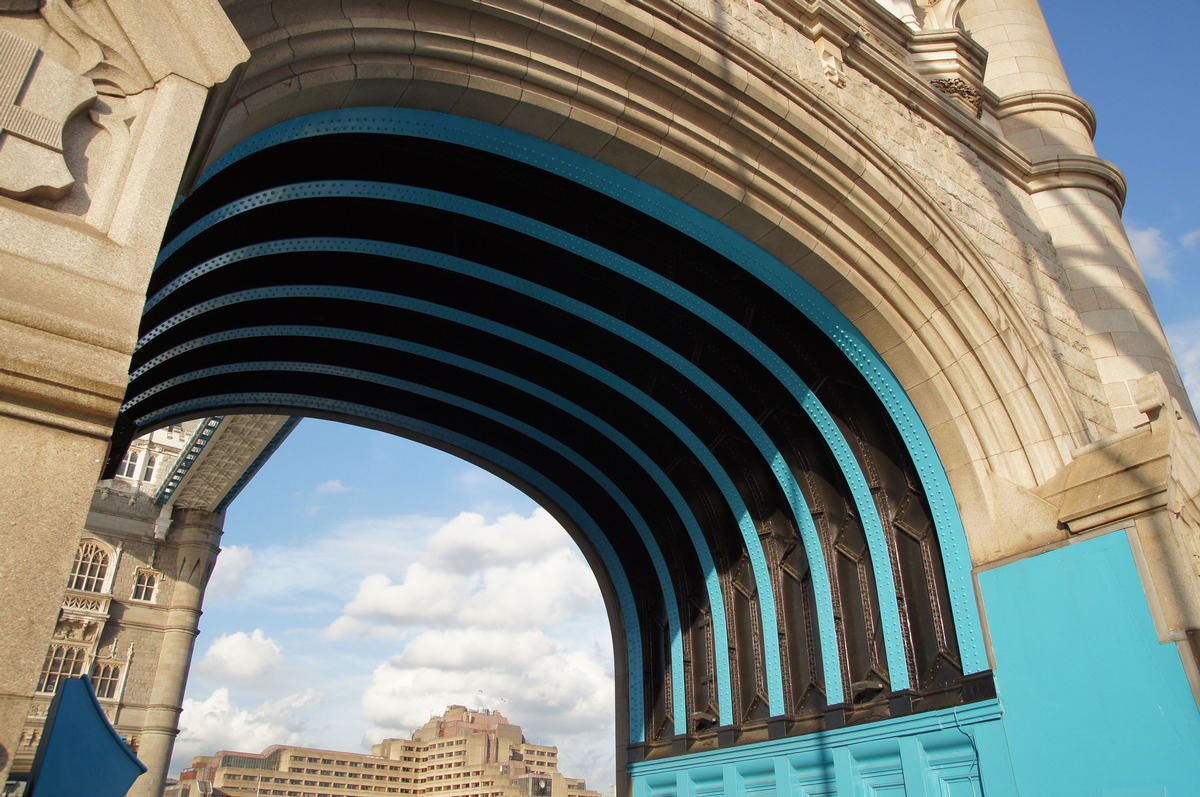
point(1154, 252)
point(233, 565)
point(504, 613)
point(1190, 240)
point(1185, 345)
point(424, 596)
point(320, 574)
point(217, 723)
point(514, 573)
point(331, 486)
point(347, 628)
point(468, 542)
point(470, 649)
point(241, 655)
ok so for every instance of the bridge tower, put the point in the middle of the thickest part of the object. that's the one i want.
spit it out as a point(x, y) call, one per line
point(814, 321)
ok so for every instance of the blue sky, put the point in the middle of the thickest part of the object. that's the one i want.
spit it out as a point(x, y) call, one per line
point(328, 622)
point(1143, 89)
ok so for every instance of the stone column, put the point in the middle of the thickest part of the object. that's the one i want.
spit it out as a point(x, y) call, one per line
point(105, 99)
point(41, 537)
point(195, 535)
point(1079, 196)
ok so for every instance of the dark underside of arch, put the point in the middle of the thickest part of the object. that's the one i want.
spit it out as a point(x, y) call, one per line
point(431, 318)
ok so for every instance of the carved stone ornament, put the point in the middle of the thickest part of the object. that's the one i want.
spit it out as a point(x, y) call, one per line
point(940, 14)
point(103, 55)
point(962, 91)
point(831, 61)
point(37, 98)
point(74, 630)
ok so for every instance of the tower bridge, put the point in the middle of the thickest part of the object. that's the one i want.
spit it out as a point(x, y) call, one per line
point(809, 319)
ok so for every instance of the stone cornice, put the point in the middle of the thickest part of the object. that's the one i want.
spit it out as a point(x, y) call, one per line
point(1056, 101)
point(1078, 171)
point(42, 395)
point(1151, 468)
point(883, 52)
point(203, 50)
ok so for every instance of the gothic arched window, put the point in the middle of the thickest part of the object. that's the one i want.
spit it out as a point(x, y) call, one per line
point(145, 583)
point(91, 566)
point(105, 679)
point(62, 661)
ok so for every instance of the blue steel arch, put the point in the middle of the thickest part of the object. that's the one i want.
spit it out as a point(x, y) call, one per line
point(538, 480)
point(893, 636)
point(480, 135)
point(633, 193)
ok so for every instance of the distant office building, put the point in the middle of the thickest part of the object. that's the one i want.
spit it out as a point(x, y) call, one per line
point(462, 753)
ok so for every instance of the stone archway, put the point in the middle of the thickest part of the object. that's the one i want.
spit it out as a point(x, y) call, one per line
point(760, 296)
point(775, 534)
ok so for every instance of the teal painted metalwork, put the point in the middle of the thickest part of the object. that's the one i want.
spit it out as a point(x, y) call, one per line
point(958, 751)
point(881, 561)
point(195, 445)
point(894, 639)
point(956, 559)
point(275, 442)
point(728, 489)
point(612, 564)
point(635, 517)
point(1095, 702)
point(711, 577)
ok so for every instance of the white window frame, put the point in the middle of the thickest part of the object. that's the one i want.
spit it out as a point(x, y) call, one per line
point(138, 574)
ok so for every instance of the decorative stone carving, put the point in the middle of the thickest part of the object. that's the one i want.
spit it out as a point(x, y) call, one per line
point(75, 630)
point(37, 98)
point(105, 56)
point(84, 603)
point(953, 63)
point(940, 14)
point(962, 91)
point(831, 61)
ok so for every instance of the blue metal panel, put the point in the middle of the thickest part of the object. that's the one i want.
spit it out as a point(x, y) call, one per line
point(80, 751)
point(1095, 703)
point(950, 753)
point(612, 564)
